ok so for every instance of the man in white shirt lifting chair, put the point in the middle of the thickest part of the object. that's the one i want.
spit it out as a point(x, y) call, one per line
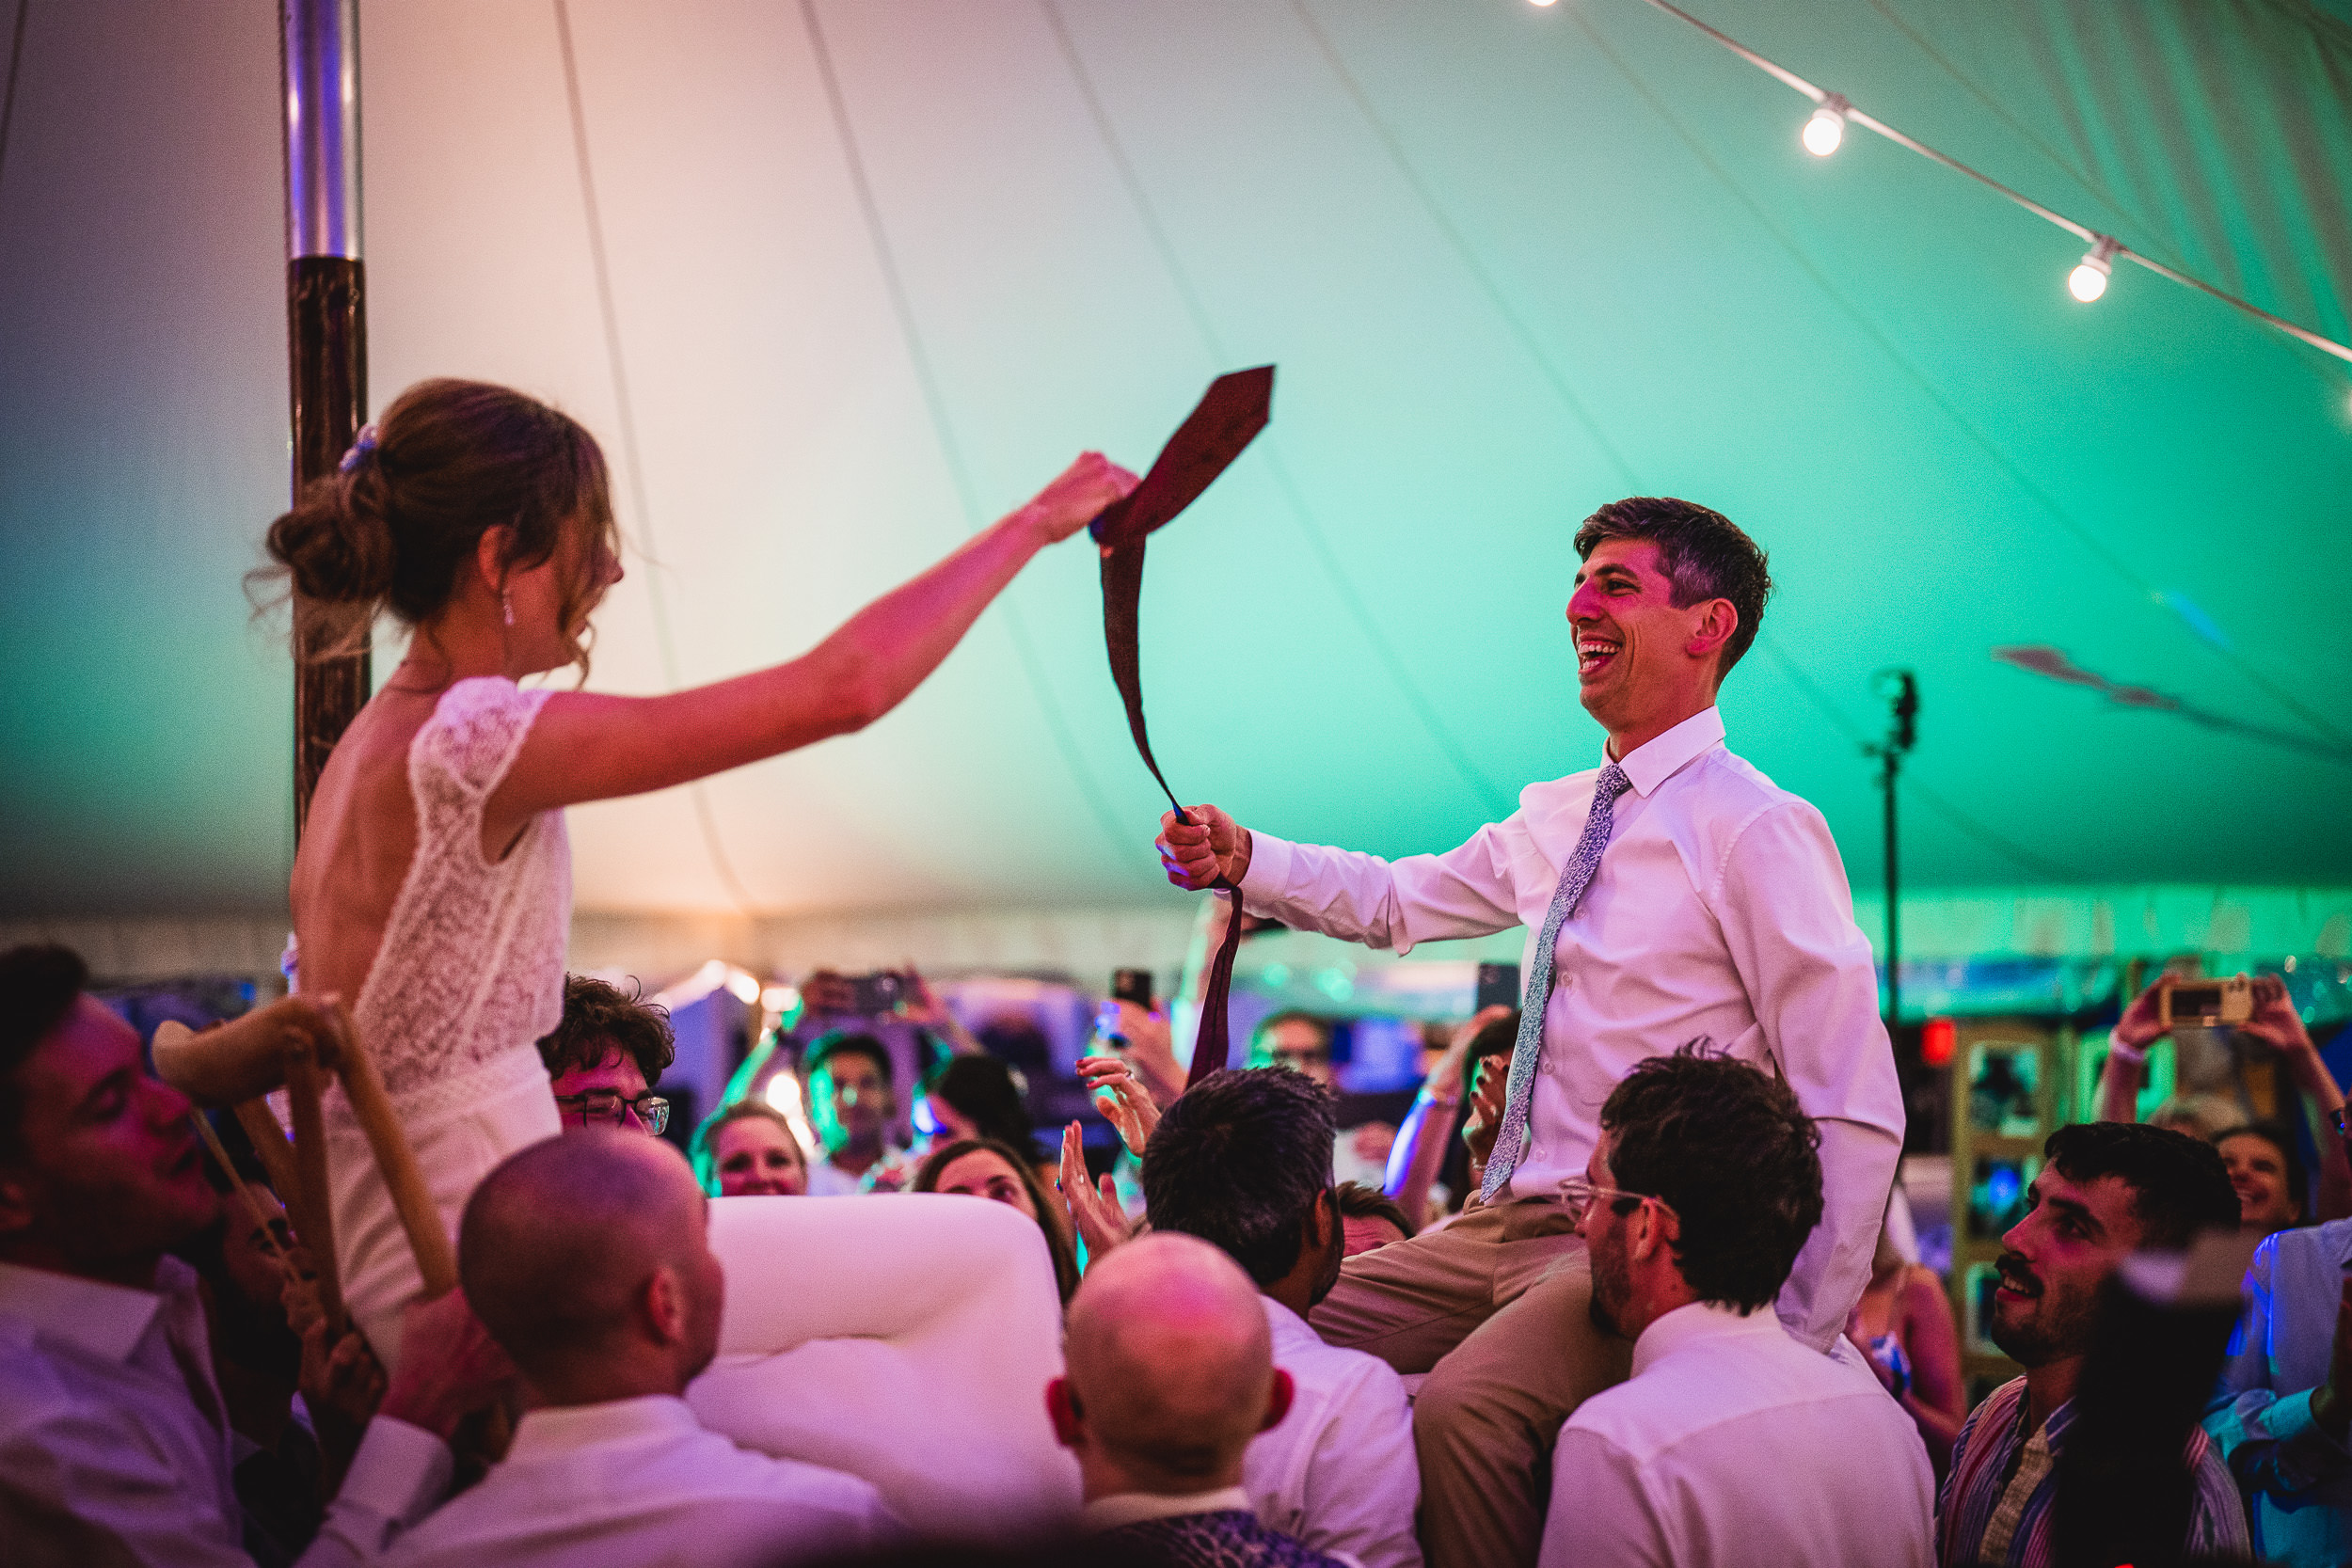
point(1244, 1162)
point(1731, 1446)
point(1719, 908)
point(589, 1260)
point(114, 1445)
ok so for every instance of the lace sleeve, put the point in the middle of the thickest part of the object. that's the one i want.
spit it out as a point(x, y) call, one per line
point(465, 748)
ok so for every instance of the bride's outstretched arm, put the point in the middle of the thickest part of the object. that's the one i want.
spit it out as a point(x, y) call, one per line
point(585, 746)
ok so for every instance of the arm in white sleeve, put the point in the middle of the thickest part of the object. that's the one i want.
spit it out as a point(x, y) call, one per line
point(1600, 1514)
point(1788, 918)
point(1466, 892)
point(400, 1474)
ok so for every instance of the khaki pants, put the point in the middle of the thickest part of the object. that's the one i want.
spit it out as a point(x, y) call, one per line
point(1494, 1309)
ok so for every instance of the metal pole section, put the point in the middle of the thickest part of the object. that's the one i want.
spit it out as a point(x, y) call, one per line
point(1901, 691)
point(1893, 921)
point(326, 341)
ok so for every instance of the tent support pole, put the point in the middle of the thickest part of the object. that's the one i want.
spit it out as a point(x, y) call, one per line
point(1901, 691)
point(1893, 917)
point(326, 343)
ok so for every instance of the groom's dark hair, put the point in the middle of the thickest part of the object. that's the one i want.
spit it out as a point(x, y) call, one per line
point(1703, 553)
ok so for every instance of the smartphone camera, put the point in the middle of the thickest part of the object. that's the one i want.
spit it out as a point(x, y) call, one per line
point(2205, 1004)
point(1132, 985)
point(1498, 986)
point(876, 995)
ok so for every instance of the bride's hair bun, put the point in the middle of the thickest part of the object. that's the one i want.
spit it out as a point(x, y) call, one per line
point(400, 522)
point(337, 545)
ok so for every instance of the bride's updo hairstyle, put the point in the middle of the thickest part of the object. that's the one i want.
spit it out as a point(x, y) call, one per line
point(449, 460)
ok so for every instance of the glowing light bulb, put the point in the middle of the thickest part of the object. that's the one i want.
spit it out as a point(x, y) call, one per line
point(2089, 279)
point(1539, 2)
point(745, 985)
point(784, 1094)
point(780, 999)
point(1827, 128)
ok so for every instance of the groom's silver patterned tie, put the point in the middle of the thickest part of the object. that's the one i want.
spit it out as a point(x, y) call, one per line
point(1511, 1137)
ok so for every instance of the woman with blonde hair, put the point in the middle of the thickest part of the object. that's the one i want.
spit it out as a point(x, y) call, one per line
point(748, 1150)
point(432, 886)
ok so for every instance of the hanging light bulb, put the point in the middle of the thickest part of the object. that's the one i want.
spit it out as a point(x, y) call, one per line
point(1539, 2)
point(1827, 128)
point(2089, 279)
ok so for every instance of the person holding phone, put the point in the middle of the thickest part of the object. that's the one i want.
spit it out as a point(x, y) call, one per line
point(432, 886)
point(1678, 894)
point(2283, 1417)
point(2274, 1021)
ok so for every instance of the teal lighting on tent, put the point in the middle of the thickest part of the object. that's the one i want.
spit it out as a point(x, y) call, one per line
point(875, 270)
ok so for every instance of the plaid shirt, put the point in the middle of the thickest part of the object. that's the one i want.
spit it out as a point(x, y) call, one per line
point(1996, 1503)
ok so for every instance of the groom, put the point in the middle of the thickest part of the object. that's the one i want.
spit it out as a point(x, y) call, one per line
point(1678, 893)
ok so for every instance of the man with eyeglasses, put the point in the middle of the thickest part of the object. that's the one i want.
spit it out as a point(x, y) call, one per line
point(1302, 1043)
point(1732, 1442)
point(1299, 1041)
point(605, 1056)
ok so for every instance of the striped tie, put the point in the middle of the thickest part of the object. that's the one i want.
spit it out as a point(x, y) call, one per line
point(1511, 1138)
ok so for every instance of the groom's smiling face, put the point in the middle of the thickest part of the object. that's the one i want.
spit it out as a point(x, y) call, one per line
point(1632, 641)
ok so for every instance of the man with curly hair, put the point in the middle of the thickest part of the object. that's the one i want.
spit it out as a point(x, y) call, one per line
point(605, 1056)
point(1732, 1442)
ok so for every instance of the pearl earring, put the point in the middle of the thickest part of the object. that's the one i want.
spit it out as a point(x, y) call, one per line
point(508, 600)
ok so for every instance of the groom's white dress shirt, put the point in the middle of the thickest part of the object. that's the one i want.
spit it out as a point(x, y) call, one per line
point(1720, 908)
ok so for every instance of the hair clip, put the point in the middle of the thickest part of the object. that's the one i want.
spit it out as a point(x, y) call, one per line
point(360, 448)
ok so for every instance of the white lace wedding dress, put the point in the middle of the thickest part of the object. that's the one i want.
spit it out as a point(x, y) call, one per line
point(952, 1306)
point(468, 976)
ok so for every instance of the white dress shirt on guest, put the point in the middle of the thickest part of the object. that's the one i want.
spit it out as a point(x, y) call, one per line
point(114, 1445)
point(895, 1166)
point(1720, 908)
point(1733, 1446)
point(1339, 1472)
point(638, 1482)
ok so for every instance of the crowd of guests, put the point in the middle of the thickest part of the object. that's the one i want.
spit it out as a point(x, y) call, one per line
point(173, 1390)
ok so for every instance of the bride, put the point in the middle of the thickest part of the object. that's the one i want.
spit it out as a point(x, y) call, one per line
point(434, 880)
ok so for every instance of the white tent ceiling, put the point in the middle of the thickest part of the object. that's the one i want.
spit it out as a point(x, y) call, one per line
point(838, 282)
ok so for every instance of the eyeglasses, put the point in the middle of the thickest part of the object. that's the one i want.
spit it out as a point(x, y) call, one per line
point(606, 1107)
point(1579, 1196)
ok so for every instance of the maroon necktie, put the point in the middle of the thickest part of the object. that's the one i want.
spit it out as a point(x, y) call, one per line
point(1236, 407)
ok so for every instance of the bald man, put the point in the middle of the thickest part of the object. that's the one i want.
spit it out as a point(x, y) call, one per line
point(1170, 1374)
point(588, 1258)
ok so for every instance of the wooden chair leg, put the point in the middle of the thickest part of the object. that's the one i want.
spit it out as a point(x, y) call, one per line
point(315, 1221)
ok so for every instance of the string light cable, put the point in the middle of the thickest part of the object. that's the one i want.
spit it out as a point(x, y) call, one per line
point(1825, 131)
